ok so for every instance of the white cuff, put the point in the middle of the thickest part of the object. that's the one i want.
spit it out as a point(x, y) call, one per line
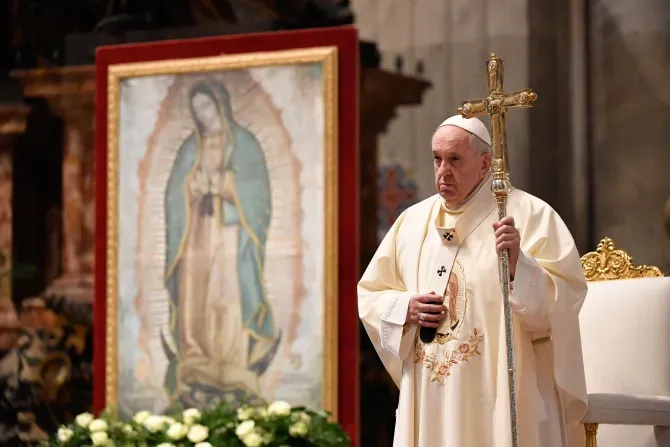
point(529, 294)
point(392, 326)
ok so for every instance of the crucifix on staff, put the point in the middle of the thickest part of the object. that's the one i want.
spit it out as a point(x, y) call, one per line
point(496, 105)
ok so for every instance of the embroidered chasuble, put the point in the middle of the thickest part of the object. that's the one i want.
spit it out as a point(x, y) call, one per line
point(453, 390)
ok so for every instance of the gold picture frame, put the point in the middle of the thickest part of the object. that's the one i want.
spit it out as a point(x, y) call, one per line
point(116, 74)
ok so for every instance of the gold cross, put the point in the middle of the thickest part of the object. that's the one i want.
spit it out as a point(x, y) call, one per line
point(496, 104)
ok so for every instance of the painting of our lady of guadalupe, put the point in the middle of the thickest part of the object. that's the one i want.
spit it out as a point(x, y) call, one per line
point(222, 192)
point(217, 215)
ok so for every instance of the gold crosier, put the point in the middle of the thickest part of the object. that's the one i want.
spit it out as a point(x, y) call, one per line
point(496, 105)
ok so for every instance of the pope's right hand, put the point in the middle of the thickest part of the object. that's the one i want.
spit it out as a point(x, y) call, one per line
point(426, 310)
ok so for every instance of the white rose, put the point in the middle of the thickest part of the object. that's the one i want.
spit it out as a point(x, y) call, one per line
point(64, 434)
point(245, 413)
point(299, 429)
point(301, 417)
point(127, 429)
point(165, 444)
point(177, 431)
point(97, 425)
point(191, 415)
point(197, 433)
point(154, 423)
point(141, 417)
point(268, 438)
point(244, 428)
point(99, 438)
point(252, 440)
point(203, 444)
point(84, 419)
point(168, 420)
point(279, 408)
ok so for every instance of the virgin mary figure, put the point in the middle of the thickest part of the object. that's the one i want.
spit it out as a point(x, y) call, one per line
point(217, 210)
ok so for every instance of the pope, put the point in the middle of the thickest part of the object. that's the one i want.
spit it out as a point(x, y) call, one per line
point(431, 302)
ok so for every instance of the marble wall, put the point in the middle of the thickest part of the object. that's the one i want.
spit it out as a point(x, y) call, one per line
point(597, 66)
point(630, 125)
point(448, 43)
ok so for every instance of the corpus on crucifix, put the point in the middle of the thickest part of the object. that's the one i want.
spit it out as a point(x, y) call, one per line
point(472, 299)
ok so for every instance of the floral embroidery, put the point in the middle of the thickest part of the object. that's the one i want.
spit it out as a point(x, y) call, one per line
point(442, 369)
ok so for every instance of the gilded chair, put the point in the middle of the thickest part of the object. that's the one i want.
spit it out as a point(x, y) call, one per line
point(625, 328)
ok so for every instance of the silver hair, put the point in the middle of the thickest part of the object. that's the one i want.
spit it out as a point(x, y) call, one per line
point(479, 145)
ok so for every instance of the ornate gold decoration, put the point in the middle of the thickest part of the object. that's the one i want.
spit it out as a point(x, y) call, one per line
point(442, 369)
point(13, 119)
point(591, 435)
point(77, 340)
point(54, 371)
point(50, 82)
point(608, 262)
point(327, 57)
point(496, 105)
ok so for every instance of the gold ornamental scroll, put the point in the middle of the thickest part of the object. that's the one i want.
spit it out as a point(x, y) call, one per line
point(496, 105)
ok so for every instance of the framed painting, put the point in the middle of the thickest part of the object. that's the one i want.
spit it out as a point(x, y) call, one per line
point(226, 233)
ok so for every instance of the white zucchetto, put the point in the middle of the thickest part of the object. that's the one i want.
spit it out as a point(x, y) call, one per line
point(472, 125)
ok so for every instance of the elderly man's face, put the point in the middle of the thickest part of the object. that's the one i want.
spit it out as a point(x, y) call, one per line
point(458, 167)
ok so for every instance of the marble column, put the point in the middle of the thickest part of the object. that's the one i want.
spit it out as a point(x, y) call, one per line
point(78, 183)
point(630, 118)
point(12, 124)
point(46, 376)
point(70, 92)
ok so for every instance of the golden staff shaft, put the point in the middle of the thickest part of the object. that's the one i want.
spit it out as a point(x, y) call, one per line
point(495, 105)
point(501, 188)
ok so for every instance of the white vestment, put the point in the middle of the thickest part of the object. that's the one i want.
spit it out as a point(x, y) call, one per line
point(454, 390)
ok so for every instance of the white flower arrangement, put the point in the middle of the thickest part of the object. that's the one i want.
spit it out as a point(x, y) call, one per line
point(277, 425)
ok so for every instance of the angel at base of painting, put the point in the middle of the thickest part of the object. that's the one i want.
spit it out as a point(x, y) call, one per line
point(217, 208)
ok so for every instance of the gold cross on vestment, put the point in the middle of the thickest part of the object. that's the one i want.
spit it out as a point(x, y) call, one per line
point(496, 104)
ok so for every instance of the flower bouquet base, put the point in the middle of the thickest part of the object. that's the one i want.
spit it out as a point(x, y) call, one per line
point(277, 425)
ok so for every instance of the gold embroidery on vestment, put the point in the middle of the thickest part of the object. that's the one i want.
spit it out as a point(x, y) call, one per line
point(456, 300)
point(442, 369)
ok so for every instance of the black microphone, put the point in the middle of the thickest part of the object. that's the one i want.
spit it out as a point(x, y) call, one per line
point(427, 334)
